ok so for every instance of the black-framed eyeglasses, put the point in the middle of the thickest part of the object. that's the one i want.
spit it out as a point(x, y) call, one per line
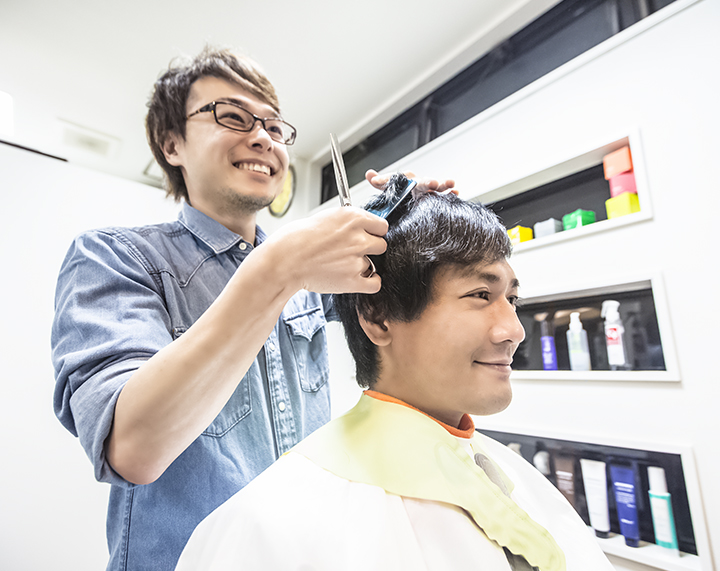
point(237, 118)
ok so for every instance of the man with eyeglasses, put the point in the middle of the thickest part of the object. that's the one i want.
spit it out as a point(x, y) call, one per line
point(190, 355)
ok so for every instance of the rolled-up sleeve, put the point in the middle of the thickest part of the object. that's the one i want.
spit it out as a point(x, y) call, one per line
point(110, 317)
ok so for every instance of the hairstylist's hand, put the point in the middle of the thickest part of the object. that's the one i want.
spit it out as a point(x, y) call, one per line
point(424, 184)
point(327, 252)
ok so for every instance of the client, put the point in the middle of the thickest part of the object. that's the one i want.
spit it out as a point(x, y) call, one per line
point(403, 480)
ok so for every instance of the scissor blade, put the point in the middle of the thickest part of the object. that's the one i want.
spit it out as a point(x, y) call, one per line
point(340, 174)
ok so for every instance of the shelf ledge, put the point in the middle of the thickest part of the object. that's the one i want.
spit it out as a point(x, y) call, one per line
point(633, 376)
point(650, 554)
point(575, 233)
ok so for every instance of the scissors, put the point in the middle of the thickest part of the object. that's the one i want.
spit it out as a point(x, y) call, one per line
point(344, 189)
point(340, 174)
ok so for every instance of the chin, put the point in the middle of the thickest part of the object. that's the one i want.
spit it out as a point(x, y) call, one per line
point(494, 405)
point(242, 202)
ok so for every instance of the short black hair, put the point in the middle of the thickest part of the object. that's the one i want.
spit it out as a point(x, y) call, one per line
point(426, 233)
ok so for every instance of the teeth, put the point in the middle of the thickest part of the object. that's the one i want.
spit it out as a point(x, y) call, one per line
point(254, 167)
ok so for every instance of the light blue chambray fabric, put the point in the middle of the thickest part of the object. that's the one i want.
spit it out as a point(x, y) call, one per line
point(122, 295)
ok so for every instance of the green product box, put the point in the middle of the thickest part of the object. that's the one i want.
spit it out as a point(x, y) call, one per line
point(578, 218)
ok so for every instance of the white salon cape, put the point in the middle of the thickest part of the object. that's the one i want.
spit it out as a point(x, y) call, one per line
point(386, 487)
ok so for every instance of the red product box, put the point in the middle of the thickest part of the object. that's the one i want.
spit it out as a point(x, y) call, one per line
point(624, 182)
point(617, 162)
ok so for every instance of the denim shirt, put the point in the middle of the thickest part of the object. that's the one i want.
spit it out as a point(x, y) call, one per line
point(122, 295)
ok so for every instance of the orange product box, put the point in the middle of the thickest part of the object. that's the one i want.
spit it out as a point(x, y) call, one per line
point(623, 182)
point(520, 234)
point(617, 162)
point(625, 203)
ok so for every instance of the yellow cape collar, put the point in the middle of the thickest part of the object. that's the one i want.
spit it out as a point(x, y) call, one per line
point(409, 454)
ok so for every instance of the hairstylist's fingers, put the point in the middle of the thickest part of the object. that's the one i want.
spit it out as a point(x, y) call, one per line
point(380, 181)
point(374, 224)
point(433, 185)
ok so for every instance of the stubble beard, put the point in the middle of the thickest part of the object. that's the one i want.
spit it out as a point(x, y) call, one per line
point(237, 203)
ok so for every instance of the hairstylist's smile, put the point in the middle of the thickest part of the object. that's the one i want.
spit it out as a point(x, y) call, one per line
point(255, 167)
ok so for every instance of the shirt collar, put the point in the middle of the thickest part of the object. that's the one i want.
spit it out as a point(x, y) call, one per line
point(211, 232)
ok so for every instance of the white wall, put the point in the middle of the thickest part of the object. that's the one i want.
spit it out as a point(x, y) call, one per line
point(52, 510)
point(663, 83)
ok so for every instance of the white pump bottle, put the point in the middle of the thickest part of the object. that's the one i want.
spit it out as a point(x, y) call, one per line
point(578, 344)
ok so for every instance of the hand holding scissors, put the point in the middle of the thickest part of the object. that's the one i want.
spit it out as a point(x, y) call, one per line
point(344, 189)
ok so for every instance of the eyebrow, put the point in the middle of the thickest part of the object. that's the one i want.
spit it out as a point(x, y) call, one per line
point(494, 278)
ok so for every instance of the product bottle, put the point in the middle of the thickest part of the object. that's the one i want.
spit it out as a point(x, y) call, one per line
point(578, 344)
point(547, 341)
point(624, 484)
point(565, 476)
point(614, 335)
point(661, 508)
point(541, 460)
point(594, 474)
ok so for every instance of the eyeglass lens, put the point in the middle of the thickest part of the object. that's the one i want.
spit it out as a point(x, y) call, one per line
point(237, 118)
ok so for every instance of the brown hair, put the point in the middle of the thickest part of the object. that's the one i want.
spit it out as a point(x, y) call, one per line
point(166, 106)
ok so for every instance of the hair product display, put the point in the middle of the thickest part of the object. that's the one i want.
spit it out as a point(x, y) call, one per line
point(614, 335)
point(594, 474)
point(661, 508)
point(578, 218)
point(547, 227)
point(624, 486)
point(547, 342)
point(520, 234)
point(565, 476)
point(578, 344)
point(609, 486)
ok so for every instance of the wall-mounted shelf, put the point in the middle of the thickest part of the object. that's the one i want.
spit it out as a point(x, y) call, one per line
point(678, 461)
point(576, 182)
point(577, 233)
point(595, 376)
point(649, 344)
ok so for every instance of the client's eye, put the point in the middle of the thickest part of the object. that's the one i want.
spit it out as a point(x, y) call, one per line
point(480, 294)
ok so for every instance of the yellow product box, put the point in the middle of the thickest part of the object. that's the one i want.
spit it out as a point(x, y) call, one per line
point(622, 204)
point(520, 234)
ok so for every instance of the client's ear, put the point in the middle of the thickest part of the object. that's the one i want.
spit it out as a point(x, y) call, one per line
point(376, 329)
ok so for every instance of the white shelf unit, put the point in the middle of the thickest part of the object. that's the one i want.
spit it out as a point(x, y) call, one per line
point(610, 287)
point(585, 159)
point(647, 554)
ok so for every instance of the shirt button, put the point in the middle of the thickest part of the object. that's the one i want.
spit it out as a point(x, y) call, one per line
point(281, 406)
point(271, 346)
point(242, 246)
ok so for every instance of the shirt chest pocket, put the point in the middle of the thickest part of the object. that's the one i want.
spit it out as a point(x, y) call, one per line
point(308, 338)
